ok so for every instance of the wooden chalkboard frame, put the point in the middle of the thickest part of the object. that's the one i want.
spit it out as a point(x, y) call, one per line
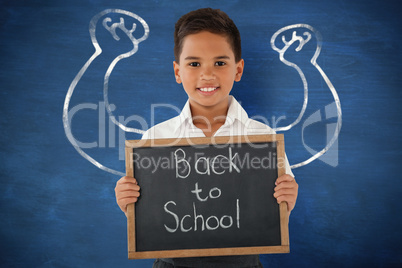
point(284, 215)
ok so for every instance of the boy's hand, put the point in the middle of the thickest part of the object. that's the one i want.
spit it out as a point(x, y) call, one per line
point(286, 190)
point(127, 192)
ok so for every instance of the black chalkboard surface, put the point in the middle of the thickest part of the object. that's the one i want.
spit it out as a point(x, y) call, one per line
point(206, 196)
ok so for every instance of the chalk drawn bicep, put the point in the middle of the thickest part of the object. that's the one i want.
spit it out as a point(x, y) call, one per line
point(302, 34)
point(116, 29)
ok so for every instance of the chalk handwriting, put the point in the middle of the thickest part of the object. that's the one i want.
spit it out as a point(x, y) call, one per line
point(195, 221)
point(183, 168)
point(197, 192)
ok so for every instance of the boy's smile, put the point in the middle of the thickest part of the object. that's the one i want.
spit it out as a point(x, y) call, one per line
point(207, 70)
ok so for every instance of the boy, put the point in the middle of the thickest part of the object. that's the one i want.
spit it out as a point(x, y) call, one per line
point(207, 62)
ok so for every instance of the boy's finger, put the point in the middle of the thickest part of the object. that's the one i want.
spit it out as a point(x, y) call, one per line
point(283, 178)
point(127, 187)
point(282, 198)
point(127, 201)
point(127, 180)
point(290, 205)
point(128, 194)
point(285, 191)
point(286, 198)
point(286, 184)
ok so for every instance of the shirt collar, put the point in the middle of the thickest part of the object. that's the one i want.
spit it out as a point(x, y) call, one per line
point(235, 112)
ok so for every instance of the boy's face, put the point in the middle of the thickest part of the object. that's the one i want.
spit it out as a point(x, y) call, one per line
point(207, 69)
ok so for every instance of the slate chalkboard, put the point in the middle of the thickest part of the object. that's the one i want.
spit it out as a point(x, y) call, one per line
point(206, 196)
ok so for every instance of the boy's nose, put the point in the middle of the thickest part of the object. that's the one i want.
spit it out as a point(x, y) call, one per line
point(207, 73)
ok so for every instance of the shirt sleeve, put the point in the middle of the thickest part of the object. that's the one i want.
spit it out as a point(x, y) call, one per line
point(288, 169)
point(146, 135)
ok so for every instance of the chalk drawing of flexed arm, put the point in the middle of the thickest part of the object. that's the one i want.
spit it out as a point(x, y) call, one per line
point(301, 40)
point(111, 27)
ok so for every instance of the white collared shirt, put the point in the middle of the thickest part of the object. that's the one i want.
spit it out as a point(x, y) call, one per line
point(237, 123)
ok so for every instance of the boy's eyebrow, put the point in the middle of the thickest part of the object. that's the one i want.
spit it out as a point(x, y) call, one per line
point(192, 58)
point(223, 57)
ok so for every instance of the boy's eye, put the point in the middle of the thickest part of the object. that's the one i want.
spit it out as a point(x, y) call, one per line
point(220, 63)
point(194, 64)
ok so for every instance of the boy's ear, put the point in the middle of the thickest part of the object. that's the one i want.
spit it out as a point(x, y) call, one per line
point(239, 70)
point(176, 68)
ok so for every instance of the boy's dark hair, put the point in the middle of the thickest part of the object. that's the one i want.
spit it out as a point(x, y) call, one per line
point(206, 19)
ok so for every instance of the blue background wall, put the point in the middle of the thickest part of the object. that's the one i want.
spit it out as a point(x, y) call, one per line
point(58, 210)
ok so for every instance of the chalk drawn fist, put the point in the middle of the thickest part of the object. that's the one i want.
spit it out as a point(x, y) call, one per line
point(291, 40)
point(119, 30)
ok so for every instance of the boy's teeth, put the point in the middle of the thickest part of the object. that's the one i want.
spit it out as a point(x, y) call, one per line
point(207, 89)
